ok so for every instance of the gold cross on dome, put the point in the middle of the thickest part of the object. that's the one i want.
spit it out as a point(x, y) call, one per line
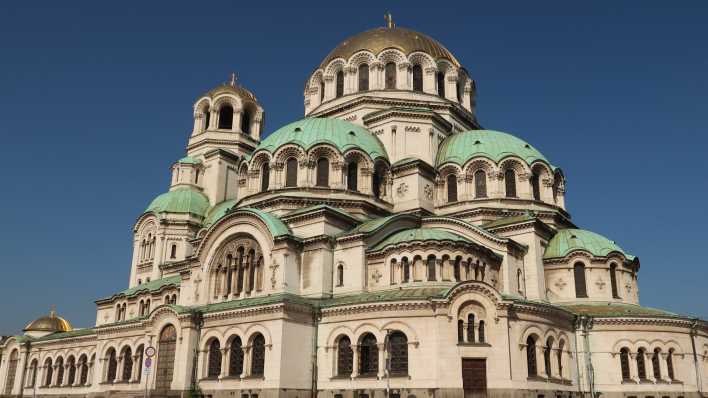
point(232, 83)
point(53, 310)
point(389, 20)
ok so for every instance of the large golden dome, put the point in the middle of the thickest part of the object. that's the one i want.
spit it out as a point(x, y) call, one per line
point(379, 39)
point(51, 323)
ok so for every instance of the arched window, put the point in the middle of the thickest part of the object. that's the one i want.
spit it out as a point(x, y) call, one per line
point(519, 280)
point(460, 331)
point(579, 276)
point(166, 348)
point(547, 356)
point(641, 366)
point(456, 269)
point(265, 176)
point(322, 89)
point(531, 356)
point(480, 184)
point(406, 270)
point(112, 366)
point(258, 355)
point(345, 357)
point(417, 78)
point(11, 372)
point(207, 118)
point(83, 365)
point(352, 176)
point(173, 251)
point(214, 363)
point(655, 364)
point(390, 75)
point(536, 187)
point(376, 181)
point(431, 268)
point(340, 84)
point(33, 373)
point(322, 172)
point(624, 363)
point(451, 188)
point(60, 371)
point(470, 328)
point(363, 77)
point(440, 80)
point(340, 275)
point(291, 172)
point(670, 364)
point(613, 280)
point(510, 183)
point(368, 356)
point(235, 357)
point(246, 122)
point(398, 346)
point(127, 364)
point(226, 117)
point(49, 375)
point(480, 335)
point(559, 358)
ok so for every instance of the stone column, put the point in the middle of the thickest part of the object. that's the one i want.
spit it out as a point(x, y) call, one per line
point(664, 366)
point(119, 368)
point(137, 366)
point(382, 360)
point(355, 361)
point(451, 86)
point(236, 124)
point(633, 370)
point(365, 180)
point(403, 80)
point(246, 371)
point(212, 118)
point(429, 80)
point(65, 381)
point(202, 360)
point(89, 377)
point(329, 87)
point(540, 363)
point(224, 363)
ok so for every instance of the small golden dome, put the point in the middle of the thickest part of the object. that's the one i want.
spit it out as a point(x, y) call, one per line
point(379, 39)
point(232, 87)
point(51, 323)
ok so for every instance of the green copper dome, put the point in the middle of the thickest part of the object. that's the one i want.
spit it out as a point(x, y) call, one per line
point(570, 240)
point(418, 235)
point(181, 200)
point(495, 145)
point(309, 132)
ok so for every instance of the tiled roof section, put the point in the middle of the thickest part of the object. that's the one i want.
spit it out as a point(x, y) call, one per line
point(371, 225)
point(566, 241)
point(189, 160)
point(495, 145)
point(256, 301)
point(67, 335)
point(502, 222)
point(309, 132)
point(181, 200)
point(151, 286)
point(605, 309)
point(419, 235)
point(422, 293)
point(276, 226)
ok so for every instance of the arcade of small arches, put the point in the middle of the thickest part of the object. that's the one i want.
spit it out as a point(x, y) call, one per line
point(72, 370)
point(391, 70)
point(228, 113)
point(634, 364)
point(367, 358)
point(237, 269)
point(435, 267)
point(321, 167)
point(482, 179)
point(232, 358)
point(546, 358)
point(471, 323)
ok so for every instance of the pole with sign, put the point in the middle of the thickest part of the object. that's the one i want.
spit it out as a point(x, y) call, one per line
point(149, 353)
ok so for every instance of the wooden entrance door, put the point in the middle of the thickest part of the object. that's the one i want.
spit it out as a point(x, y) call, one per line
point(474, 377)
point(166, 358)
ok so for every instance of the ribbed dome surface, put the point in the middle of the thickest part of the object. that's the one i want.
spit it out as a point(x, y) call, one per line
point(309, 132)
point(181, 200)
point(379, 39)
point(495, 145)
point(51, 323)
point(419, 235)
point(569, 240)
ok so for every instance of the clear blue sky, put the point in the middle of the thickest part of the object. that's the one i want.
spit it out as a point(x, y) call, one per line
point(96, 97)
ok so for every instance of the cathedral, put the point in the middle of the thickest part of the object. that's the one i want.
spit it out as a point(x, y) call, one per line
point(386, 244)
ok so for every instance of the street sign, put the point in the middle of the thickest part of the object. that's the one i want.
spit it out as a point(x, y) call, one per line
point(148, 363)
point(150, 352)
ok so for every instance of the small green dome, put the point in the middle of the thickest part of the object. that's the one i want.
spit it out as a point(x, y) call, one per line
point(569, 240)
point(181, 200)
point(418, 235)
point(309, 132)
point(495, 145)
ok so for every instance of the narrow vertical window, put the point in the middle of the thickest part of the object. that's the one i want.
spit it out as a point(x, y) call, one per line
point(641, 366)
point(559, 358)
point(536, 187)
point(246, 122)
point(440, 80)
point(226, 117)
point(235, 357)
point(579, 276)
point(406, 270)
point(510, 183)
point(363, 77)
point(368, 356)
point(655, 364)
point(670, 364)
point(480, 184)
point(345, 357)
point(214, 367)
point(376, 183)
point(340, 275)
point(322, 172)
point(258, 356)
point(431, 268)
point(207, 118)
point(531, 356)
point(265, 176)
point(470, 328)
point(456, 269)
point(340, 84)
point(352, 176)
point(322, 91)
point(390, 75)
point(480, 333)
point(624, 363)
point(613, 280)
point(173, 251)
point(460, 331)
point(451, 188)
point(417, 78)
point(291, 173)
point(398, 353)
point(547, 357)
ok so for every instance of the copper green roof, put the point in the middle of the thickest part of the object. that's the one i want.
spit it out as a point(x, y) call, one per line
point(309, 132)
point(218, 211)
point(66, 335)
point(180, 200)
point(569, 240)
point(311, 209)
point(495, 145)
point(152, 286)
point(605, 309)
point(275, 225)
point(419, 235)
point(422, 293)
point(256, 301)
point(527, 216)
point(189, 160)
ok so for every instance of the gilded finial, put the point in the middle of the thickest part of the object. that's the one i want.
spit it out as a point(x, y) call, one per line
point(53, 311)
point(232, 83)
point(389, 20)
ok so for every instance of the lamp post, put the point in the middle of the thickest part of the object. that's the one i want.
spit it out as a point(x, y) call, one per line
point(387, 359)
